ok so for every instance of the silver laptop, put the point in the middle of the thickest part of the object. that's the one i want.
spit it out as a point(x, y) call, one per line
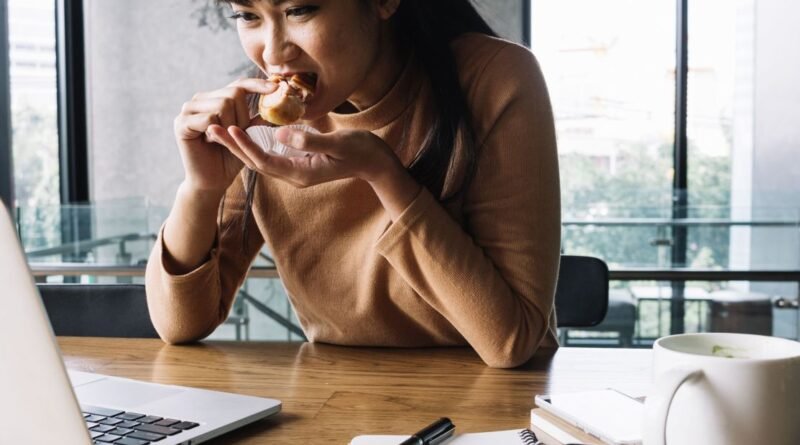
point(41, 403)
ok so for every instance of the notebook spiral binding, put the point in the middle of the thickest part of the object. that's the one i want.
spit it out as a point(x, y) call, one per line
point(528, 437)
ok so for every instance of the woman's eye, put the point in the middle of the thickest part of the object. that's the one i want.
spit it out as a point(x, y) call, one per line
point(244, 16)
point(301, 11)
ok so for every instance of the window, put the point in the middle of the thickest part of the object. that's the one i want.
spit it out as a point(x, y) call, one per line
point(32, 54)
point(32, 66)
point(611, 66)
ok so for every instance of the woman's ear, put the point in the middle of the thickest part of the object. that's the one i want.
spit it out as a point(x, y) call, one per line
point(387, 8)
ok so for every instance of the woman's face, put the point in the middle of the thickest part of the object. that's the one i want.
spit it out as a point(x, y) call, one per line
point(335, 40)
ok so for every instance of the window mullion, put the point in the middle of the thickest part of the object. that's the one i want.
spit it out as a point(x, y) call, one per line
point(6, 147)
point(680, 193)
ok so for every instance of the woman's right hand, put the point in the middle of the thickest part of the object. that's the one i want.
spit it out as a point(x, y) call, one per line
point(210, 167)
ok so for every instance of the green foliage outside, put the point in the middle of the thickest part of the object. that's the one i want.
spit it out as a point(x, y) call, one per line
point(35, 157)
point(640, 186)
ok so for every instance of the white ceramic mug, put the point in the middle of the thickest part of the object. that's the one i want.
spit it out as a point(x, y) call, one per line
point(724, 389)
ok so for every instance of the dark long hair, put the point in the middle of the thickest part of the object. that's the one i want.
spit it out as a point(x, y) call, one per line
point(426, 28)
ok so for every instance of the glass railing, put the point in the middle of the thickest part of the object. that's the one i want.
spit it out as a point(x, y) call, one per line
point(740, 273)
point(740, 270)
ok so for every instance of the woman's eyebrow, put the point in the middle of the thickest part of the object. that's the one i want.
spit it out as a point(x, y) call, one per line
point(249, 3)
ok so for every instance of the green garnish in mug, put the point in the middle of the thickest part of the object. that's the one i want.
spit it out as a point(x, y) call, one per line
point(725, 351)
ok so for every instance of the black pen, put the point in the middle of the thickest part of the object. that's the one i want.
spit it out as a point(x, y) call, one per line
point(433, 434)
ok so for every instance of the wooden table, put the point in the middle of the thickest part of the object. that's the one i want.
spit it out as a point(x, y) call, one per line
point(332, 393)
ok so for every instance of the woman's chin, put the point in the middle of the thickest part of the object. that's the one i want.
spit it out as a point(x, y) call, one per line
point(313, 113)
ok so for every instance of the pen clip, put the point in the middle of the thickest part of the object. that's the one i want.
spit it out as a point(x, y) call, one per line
point(445, 433)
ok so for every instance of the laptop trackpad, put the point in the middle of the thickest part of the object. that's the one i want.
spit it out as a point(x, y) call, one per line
point(122, 394)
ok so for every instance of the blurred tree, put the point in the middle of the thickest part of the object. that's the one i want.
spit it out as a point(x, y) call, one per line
point(639, 186)
point(35, 136)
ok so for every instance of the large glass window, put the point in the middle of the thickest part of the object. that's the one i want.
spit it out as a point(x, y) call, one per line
point(32, 54)
point(610, 67)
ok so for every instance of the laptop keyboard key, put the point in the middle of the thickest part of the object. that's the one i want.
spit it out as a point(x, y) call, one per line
point(129, 441)
point(149, 419)
point(105, 412)
point(185, 425)
point(167, 422)
point(130, 416)
point(120, 431)
point(109, 426)
point(144, 435)
point(167, 431)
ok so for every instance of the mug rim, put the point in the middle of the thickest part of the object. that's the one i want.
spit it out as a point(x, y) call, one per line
point(666, 339)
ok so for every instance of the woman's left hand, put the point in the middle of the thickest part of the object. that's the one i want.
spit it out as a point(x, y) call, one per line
point(337, 155)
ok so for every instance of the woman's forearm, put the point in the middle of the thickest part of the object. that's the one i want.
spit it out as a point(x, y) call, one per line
point(396, 189)
point(190, 229)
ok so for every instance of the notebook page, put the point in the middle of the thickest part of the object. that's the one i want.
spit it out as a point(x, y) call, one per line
point(509, 437)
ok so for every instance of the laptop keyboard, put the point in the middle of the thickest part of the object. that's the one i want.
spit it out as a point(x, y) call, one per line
point(111, 426)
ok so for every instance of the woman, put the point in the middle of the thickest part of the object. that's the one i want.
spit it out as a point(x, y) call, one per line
point(428, 214)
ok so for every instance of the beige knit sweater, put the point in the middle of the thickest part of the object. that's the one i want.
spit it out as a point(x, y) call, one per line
point(480, 271)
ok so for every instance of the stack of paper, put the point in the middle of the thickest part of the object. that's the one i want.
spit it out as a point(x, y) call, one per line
point(554, 431)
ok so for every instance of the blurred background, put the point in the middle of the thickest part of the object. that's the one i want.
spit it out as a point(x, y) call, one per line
point(676, 127)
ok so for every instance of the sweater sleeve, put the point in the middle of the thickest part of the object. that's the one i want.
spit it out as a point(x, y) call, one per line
point(188, 307)
point(493, 278)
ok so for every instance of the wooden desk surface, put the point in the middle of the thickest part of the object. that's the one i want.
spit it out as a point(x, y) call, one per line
point(331, 393)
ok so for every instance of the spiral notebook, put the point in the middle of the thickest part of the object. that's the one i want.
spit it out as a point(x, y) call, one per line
point(509, 437)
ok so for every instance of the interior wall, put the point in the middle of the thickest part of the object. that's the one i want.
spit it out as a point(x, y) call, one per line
point(144, 62)
point(776, 146)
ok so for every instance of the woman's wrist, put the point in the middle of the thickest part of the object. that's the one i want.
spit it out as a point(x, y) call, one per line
point(200, 196)
point(395, 188)
point(190, 228)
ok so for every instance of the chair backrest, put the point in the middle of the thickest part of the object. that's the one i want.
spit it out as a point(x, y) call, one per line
point(98, 310)
point(581, 291)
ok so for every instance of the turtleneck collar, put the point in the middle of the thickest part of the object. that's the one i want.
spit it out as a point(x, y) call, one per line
point(389, 107)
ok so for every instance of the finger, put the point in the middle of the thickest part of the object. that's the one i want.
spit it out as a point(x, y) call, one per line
point(305, 141)
point(194, 125)
point(258, 86)
point(279, 167)
point(242, 112)
point(228, 110)
point(255, 85)
point(250, 148)
point(222, 137)
point(248, 85)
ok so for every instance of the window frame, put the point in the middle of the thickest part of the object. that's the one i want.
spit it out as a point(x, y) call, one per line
point(72, 112)
point(6, 147)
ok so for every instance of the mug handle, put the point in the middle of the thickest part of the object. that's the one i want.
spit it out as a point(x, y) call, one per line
point(657, 404)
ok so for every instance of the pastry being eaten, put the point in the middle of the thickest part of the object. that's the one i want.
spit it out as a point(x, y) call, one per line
point(287, 104)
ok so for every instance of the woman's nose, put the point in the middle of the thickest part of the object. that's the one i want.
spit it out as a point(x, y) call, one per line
point(278, 49)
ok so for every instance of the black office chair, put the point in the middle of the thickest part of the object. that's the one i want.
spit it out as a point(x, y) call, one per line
point(583, 300)
point(98, 310)
point(581, 292)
